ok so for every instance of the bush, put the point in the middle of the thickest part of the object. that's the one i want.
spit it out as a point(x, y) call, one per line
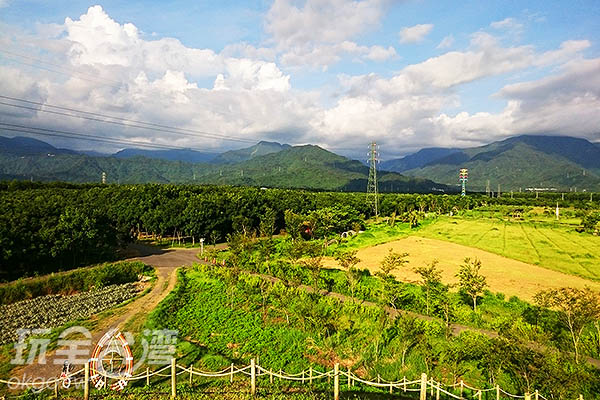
point(79, 280)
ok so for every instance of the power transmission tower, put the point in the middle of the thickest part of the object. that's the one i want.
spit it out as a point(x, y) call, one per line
point(372, 193)
point(487, 188)
point(103, 178)
point(463, 177)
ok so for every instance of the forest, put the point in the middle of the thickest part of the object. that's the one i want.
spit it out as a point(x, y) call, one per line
point(46, 227)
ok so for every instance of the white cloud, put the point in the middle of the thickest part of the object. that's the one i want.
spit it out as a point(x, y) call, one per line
point(507, 24)
point(4, 3)
point(446, 42)
point(320, 32)
point(415, 34)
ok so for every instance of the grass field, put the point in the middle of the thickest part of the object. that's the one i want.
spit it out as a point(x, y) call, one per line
point(504, 275)
point(553, 247)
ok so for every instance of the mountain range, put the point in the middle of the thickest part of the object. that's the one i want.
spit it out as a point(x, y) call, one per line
point(555, 162)
point(265, 164)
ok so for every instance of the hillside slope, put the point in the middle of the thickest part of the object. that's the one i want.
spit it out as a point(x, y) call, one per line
point(562, 163)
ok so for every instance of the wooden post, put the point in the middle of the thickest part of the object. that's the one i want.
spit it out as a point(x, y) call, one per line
point(336, 381)
point(191, 368)
point(56, 389)
point(303, 377)
point(310, 374)
point(253, 377)
point(86, 381)
point(231, 374)
point(147, 376)
point(349, 381)
point(437, 392)
point(391, 388)
point(479, 395)
point(537, 395)
point(431, 385)
point(270, 376)
point(173, 378)
point(378, 379)
point(404, 383)
point(423, 395)
point(527, 396)
point(497, 392)
point(462, 387)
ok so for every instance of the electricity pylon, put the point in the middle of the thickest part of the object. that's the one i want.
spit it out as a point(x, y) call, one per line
point(372, 194)
point(463, 177)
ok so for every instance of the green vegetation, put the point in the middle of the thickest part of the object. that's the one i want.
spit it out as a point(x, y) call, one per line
point(79, 280)
point(230, 316)
point(550, 245)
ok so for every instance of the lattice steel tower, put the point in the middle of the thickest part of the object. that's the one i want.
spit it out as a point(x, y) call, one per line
point(463, 177)
point(372, 193)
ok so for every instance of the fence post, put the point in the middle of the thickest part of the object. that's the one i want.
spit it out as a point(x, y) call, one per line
point(479, 395)
point(253, 377)
point(437, 392)
point(497, 392)
point(191, 368)
point(310, 376)
point(147, 376)
point(303, 377)
point(231, 374)
point(431, 384)
point(423, 395)
point(56, 389)
point(173, 378)
point(391, 388)
point(86, 381)
point(527, 396)
point(336, 381)
point(580, 397)
point(537, 394)
point(462, 387)
point(349, 380)
point(404, 383)
point(270, 376)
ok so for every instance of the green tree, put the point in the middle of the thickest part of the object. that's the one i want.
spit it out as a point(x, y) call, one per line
point(431, 278)
point(577, 308)
point(348, 260)
point(471, 281)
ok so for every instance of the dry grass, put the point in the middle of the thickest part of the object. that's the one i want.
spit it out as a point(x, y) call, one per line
point(505, 275)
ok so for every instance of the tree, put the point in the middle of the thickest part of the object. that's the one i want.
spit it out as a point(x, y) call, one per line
point(348, 261)
point(314, 265)
point(432, 279)
point(576, 308)
point(470, 280)
point(391, 262)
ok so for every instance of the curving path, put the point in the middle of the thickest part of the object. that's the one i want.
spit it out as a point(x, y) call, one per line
point(165, 263)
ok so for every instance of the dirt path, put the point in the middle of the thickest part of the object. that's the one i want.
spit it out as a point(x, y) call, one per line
point(165, 262)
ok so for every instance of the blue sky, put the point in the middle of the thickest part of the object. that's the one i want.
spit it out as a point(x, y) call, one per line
point(408, 74)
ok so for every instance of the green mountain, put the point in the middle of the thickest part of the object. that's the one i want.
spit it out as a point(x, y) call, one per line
point(554, 162)
point(309, 167)
point(186, 155)
point(260, 149)
point(312, 167)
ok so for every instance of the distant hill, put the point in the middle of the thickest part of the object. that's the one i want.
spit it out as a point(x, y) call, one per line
point(559, 162)
point(417, 160)
point(309, 167)
point(260, 149)
point(312, 167)
point(23, 146)
point(185, 155)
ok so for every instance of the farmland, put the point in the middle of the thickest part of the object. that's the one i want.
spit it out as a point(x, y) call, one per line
point(551, 246)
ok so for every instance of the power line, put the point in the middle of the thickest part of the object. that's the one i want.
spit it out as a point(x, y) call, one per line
point(82, 136)
point(122, 119)
point(133, 124)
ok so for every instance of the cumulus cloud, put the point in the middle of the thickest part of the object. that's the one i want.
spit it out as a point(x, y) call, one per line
point(320, 32)
point(415, 34)
point(507, 24)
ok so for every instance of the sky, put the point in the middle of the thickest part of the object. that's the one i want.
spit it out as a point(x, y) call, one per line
point(335, 73)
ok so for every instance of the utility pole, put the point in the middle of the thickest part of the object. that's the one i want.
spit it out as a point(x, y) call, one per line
point(463, 177)
point(372, 193)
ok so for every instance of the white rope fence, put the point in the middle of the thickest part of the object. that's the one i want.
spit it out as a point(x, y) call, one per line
point(422, 385)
